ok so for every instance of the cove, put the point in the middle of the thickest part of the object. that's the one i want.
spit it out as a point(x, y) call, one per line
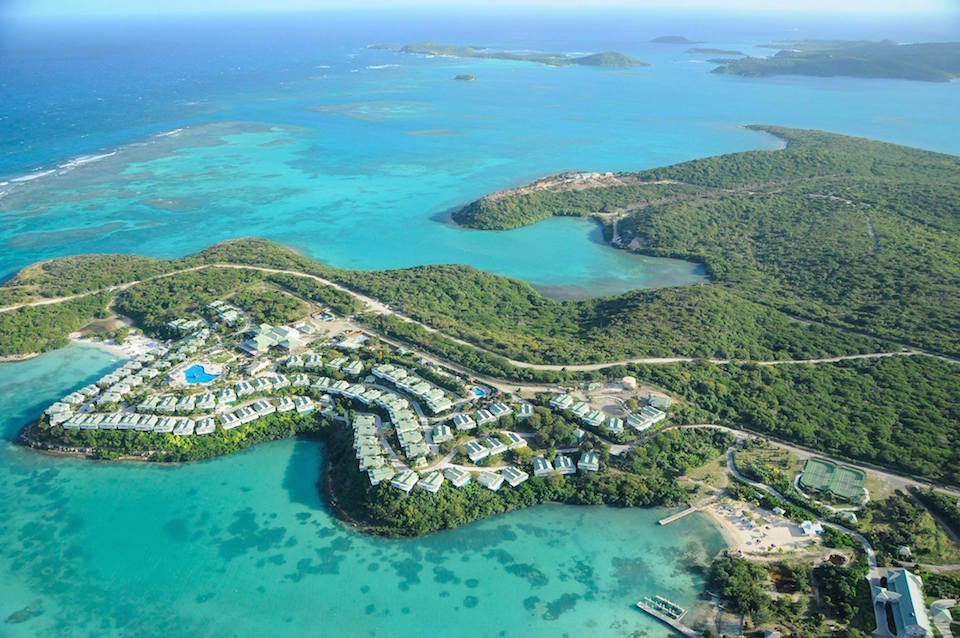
point(245, 545)
point(165, 198)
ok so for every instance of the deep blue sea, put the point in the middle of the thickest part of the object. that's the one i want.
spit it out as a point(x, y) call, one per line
point(162, 137)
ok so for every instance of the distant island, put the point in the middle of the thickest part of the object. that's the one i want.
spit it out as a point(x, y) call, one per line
point(674, 39)
point(709, 51)
point(927, 62)
point(604, 59)
point(465, 77)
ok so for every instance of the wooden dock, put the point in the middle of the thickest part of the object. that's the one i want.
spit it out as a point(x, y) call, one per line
point(673, 623)
point(678, 515)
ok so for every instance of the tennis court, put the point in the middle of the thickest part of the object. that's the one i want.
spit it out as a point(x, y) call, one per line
point(821, 475)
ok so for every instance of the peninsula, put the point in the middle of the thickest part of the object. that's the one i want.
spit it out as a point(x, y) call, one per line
point(605, 59)
point(927, 62)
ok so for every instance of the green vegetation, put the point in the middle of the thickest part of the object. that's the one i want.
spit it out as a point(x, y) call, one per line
point(897, 412)
point(605, 59)
point(742, 584)
point(82, 273)
point(649, 480)
point(845, 593)
point(929, 62)
point(513, 210)
point(318, 293)
point(36, 329)
point(512, 319)
point(153, 303)
point(153, 446)
point(943, 506)
point(899, 521)
point(268, 305)
point(843, 231)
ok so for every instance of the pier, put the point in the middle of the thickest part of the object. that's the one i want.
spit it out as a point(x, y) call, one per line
point(678, 515)
point(669, 613)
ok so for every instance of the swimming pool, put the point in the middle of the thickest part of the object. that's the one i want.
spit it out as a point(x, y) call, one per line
point(196, 374)
point(479, 392)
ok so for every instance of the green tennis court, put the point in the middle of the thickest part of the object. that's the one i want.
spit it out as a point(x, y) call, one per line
point(821, 475)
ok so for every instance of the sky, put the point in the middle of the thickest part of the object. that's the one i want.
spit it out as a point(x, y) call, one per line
point(34, 8)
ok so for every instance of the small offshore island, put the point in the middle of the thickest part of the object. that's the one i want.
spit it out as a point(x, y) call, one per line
point(612, 59)
point(806, 399)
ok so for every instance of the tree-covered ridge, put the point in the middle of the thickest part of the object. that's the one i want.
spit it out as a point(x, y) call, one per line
point(897, 412)
point(39, 329)
point(853, 232)
point(928, 62)
point(77, 274)
point(511, 318)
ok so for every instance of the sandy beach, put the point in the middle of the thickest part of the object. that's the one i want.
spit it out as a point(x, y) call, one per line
point(134, 346)
point(752, 530)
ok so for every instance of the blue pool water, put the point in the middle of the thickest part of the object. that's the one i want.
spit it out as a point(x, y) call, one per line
point(479, 392)
point(196, 374)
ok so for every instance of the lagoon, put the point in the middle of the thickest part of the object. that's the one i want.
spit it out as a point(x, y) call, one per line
point(245, 545)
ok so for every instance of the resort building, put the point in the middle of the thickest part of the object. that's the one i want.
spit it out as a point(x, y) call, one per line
point(441, 433)
point(588, 462)
point(494, 444)
point(205, 425)
point(541, 466)
point(562, 402)
point(475, 451)
point(383, 473)
point(514, 440)
point(485, 417)
point(490, 480)
point(405, 481)
point(463, 422)
point(614, 425)
point(498, 410)
point(514, 476)
point(564, 464)
point(432, 482)
point(206, 401)
point(525, 412)
point(652, 414)
point(902, 601)
point(354, 368)
point(303, 405)
point(638, 423)
point(457, 476)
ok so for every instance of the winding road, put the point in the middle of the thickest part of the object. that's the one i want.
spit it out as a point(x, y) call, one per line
point(377, 307)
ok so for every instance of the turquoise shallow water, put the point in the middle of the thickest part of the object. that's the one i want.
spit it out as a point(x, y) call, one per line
point(356, 156)
point(245, 546)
